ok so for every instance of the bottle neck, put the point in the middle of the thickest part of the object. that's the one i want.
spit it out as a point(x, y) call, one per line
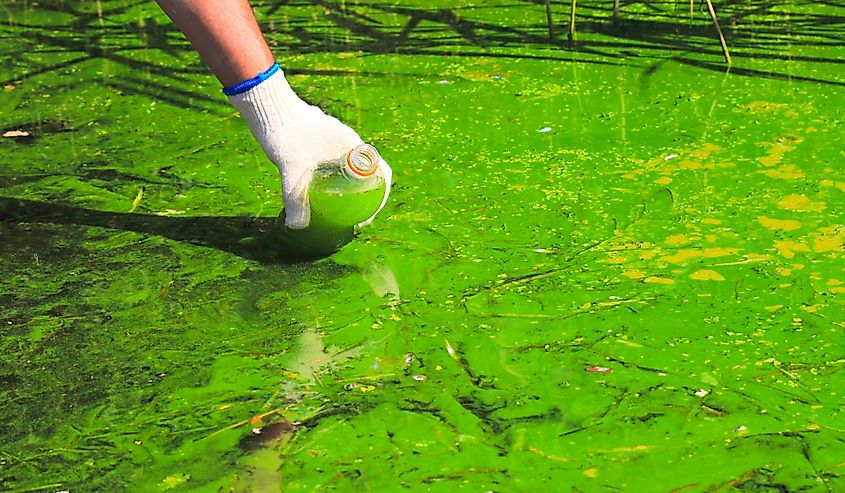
point(360, 163)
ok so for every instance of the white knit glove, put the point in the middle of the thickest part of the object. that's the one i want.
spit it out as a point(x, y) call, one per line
point(296, 137)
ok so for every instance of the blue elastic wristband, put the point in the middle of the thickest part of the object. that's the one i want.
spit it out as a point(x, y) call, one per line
point(250, 83)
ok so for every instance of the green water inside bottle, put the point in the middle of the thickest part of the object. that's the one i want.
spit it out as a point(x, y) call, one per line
point(320, 239)
point(343, 201)
point(338, 202)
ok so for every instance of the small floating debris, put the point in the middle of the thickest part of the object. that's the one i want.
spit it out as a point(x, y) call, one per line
point(701, 393)
point(15, 133)
point(359, 387)
point(741, 429)
point(262, 436)
point(443, 81)
point(670, 156)
point(598, 369)
point(545, 129)
point(419, 378)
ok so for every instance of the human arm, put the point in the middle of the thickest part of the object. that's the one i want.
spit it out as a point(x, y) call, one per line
point(295, 136)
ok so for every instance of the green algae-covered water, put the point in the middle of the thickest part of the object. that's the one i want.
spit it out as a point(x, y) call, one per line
point(611, 267)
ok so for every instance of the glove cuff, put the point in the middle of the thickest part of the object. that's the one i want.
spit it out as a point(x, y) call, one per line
point(266, 102)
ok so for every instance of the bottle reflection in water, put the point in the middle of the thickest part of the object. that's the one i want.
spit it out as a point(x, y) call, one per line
point(343, 193)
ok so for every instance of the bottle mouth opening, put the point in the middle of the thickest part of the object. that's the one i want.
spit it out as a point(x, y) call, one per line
point(363, 160)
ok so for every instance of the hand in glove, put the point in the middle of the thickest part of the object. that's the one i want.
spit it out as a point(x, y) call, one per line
point(296, 137)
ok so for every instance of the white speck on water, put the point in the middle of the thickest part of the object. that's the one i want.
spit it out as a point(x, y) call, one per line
point(701, 393)
point(670, 156)
point(740, 429)
point(545, 129)
point(419, 378)
point(443, 81)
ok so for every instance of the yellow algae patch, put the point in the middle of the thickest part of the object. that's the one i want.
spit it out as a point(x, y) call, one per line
point(779, 149)
point(706, 275)
point(705, 150)
point(648, 254)
point(711, 221)
point(785, 172)
point(763, 107)
point(787, 248)
point(800, 203)
point(718, 252)
point(591, 472)
point(663, 180)
point(757, 257)
point(769, 160)
point(748, 258)
point(690, 164)
point(834, 282)
point(682, 256)
point(614, 260)
point(830, 183)
point(783, 224)
point(658, 280)
point(828, 240)
point(677, 239)
point(774, 307)
point(690, 253)
point(810, 308)
point(634, 274)
point(783, 271)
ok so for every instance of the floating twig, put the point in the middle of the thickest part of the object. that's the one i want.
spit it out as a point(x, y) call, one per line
point(462, 364)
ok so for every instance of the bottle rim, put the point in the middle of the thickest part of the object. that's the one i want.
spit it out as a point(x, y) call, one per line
point(363, 160)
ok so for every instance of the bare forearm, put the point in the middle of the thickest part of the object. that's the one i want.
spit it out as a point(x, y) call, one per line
point(225, 34)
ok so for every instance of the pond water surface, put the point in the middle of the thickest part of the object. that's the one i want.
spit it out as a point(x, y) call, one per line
point(615, 266)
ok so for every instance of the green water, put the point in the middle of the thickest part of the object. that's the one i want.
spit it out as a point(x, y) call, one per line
point(616, 267)
point(336, 199)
